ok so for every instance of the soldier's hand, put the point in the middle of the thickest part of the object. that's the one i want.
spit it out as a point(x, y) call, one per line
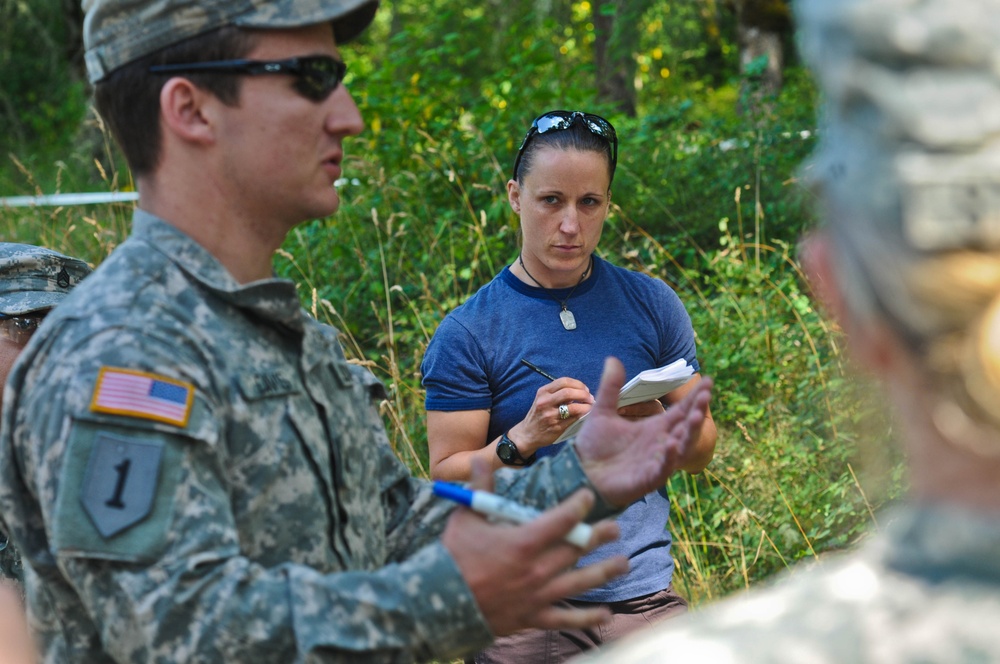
point(517, 572)
point(626, 459)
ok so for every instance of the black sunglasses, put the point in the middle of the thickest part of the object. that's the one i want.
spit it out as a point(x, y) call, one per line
point(562, 120)
point(316, 76)
point(20, 328)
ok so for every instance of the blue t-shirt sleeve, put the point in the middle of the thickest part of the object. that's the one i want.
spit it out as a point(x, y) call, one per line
point(453, 370)
point(676, 331)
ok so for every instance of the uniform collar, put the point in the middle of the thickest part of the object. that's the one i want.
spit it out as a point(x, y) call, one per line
point(273, 299)
point(941, 542)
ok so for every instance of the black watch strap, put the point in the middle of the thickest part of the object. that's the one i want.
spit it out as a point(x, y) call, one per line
point(509, 454)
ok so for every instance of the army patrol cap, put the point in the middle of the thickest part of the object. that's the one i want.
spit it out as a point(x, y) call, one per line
point(910, 134)
point(116, 32)
point(35, 279)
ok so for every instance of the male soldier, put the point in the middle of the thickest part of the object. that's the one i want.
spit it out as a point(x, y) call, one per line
point(32, 281)
point(190, 467)
point(908, 261)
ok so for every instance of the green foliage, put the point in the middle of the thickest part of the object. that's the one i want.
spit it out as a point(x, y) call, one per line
point(41, 99)
point(684, 47)
point(699, 155)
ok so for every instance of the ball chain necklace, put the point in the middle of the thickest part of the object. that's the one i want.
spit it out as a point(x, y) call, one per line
point(565, 315)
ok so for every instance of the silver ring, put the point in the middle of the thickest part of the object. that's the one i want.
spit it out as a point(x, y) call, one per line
point(563, 411)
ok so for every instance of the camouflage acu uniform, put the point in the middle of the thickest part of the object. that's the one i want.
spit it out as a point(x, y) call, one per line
point(264, 519)
point(32, 279)
point(926, 590)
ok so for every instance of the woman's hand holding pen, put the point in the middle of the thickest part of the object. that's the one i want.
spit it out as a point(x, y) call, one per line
point(544, 423)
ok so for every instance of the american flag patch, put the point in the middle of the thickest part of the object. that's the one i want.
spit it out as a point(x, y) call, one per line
point(145, 395)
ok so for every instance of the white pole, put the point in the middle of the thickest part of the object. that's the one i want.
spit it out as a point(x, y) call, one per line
point(70, 199)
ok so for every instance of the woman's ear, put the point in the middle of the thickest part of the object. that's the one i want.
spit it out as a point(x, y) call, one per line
point(514, 195)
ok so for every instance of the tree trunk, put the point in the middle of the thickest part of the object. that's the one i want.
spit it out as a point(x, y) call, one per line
point(758, 45)
point(761, 28)
point(616, 32)
point(712, 34)
point(73, 18)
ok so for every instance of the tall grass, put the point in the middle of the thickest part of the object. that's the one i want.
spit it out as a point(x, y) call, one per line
point(802, 457)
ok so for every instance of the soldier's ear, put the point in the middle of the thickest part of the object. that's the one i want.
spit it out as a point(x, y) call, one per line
point(815, 255)
point(187, 111)
point(870, 340)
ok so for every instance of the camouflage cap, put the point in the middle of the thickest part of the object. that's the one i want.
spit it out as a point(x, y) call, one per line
point(116, 32)
point(910, 136)
point(35, 279)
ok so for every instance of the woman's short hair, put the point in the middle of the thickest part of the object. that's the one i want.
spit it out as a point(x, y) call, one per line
point(577, 137)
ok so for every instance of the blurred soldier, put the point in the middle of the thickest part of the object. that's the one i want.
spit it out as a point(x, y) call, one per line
point(32, 281)
point(908, 261)
point(190, 467)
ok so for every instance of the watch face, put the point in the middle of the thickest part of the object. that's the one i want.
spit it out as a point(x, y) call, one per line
point(505, 451)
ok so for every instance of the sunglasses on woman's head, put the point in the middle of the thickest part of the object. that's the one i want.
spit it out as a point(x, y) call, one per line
point(562, 120)
point(316, 76)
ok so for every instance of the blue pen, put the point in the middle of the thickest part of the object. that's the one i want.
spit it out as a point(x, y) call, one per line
point(493, 505)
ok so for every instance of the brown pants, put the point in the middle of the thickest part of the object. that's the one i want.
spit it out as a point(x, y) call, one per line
point(536, 646)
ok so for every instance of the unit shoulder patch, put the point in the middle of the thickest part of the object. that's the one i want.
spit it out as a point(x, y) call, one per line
point(120, 482)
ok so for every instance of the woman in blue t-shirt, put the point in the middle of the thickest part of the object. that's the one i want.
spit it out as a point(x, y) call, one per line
point(507, 371)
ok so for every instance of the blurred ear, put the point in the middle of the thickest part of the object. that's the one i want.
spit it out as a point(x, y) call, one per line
point(514, 196)
point(817, 263)
point(869, 339)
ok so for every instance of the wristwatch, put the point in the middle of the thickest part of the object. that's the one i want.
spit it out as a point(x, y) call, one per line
point(510, 455)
